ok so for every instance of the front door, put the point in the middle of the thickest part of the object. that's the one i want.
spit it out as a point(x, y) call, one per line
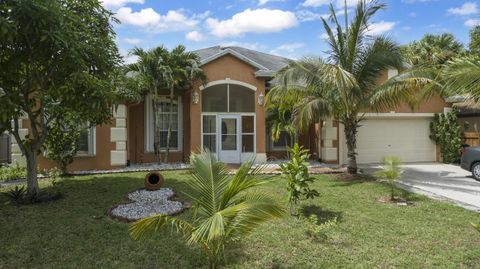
point(228, 134)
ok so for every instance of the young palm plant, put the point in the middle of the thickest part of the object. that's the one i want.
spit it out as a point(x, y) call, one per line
point(347, 84)
point(390, 172)
point(223, 209)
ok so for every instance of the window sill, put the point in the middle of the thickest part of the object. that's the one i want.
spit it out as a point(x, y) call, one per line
point(278, 149)
point(84, 155)
point(162, 151)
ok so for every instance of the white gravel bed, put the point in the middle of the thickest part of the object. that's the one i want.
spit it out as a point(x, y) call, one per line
point(146, 203)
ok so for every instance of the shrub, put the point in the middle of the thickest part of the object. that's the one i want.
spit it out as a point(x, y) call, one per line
point(17, 194)
point(298, 178)
point(62, 142)
point(319, 231)
point(445, 132)
point(390, 172)
point(12, 172)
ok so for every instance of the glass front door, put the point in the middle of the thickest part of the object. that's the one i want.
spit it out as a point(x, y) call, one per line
point(228, 135)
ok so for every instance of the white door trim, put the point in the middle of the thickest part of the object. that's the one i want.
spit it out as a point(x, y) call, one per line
point(229, 156)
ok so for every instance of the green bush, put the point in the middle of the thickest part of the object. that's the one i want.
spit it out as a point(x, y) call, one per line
point(319, 231)
point(298, 178)
point(445, 132)
point(12, 172)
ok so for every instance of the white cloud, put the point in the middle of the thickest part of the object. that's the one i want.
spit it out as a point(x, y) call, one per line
point(127, 57)
point(472, 22)
point(148, 18)
point(120, 3)
point(252, 46)
point(338, 3)
point(324, 36)
point(381, 27)
point(264, 2)
point(315, 3)
point(307, 15)
point(468, 8)
point(194, 36)
point(132, 41)
point(256, 21)
point(287, 50)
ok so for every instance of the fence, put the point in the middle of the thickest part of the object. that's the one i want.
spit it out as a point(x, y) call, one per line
point(471, 138)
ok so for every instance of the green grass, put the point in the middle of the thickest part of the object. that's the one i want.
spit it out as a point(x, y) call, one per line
point(76, 233)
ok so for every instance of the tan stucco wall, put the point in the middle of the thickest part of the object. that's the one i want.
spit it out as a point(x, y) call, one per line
point(136, 133)
point(100, 161)
point(230, 67)
point(434, 104)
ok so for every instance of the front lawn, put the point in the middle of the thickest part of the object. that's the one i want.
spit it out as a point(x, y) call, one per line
point(75, 232)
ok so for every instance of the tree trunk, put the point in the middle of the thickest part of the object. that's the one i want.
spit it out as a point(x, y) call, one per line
point(351, 129)
point(156, 133)
point(169, 132)
point(32, 181)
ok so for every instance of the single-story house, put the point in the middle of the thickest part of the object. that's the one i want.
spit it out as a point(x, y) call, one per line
point(227, 116)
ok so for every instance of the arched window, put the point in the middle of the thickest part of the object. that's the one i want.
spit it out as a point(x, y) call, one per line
point(228, 98)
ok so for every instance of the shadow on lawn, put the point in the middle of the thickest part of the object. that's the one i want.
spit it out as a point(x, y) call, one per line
point(322, 215)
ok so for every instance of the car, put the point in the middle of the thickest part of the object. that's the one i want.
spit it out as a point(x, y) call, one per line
point(471, 160)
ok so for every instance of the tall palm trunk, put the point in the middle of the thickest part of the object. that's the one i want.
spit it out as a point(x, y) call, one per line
point(351, 130)
point(157, 129)
point(169, 132)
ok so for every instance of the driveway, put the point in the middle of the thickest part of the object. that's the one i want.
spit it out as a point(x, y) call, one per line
point(440, 181)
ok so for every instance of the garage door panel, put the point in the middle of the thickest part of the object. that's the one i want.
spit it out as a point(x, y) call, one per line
point(405, 138)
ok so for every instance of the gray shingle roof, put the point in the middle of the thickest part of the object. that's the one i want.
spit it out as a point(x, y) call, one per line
point(267, 64)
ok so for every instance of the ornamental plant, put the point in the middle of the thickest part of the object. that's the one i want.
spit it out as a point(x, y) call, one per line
point(62, 143)
point(224, 207)
point(298, 178)
point(390, 172)
point(445, 132)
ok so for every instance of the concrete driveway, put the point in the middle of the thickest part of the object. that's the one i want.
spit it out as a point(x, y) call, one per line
point(440, 181)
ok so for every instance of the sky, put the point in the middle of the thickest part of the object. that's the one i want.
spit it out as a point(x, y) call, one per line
point(289, 28)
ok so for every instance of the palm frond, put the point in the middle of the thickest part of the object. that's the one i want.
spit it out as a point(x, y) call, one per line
point(209, 180)
point(462, 77)
point(154, 223)
point(409, 87)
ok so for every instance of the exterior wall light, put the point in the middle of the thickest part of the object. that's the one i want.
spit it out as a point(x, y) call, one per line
point(195, 97)
point(261, 99)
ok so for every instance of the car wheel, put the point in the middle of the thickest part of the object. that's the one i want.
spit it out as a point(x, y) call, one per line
point(476, 170)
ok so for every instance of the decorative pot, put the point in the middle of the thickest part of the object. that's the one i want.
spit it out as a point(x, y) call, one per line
point(153, 181)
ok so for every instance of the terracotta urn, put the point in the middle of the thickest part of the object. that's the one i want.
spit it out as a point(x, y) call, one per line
point(153, 181)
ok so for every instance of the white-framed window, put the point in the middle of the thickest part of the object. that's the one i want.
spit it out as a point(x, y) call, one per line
point(228, 98)
point(86, 142)
point(248, 133)
point(163, 116)
point(284, 141)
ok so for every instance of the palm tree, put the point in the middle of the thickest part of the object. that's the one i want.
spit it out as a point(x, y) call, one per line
point(433, 50)
point(158, 70)
point(223, 209)
point(346, 84)
point(280, 117)
point(390, 172)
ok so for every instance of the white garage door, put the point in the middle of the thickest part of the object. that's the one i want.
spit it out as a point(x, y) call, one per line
point(407, 138)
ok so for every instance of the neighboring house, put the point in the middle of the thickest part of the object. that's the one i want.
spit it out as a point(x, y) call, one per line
point(469, 118)
point(227, 116)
